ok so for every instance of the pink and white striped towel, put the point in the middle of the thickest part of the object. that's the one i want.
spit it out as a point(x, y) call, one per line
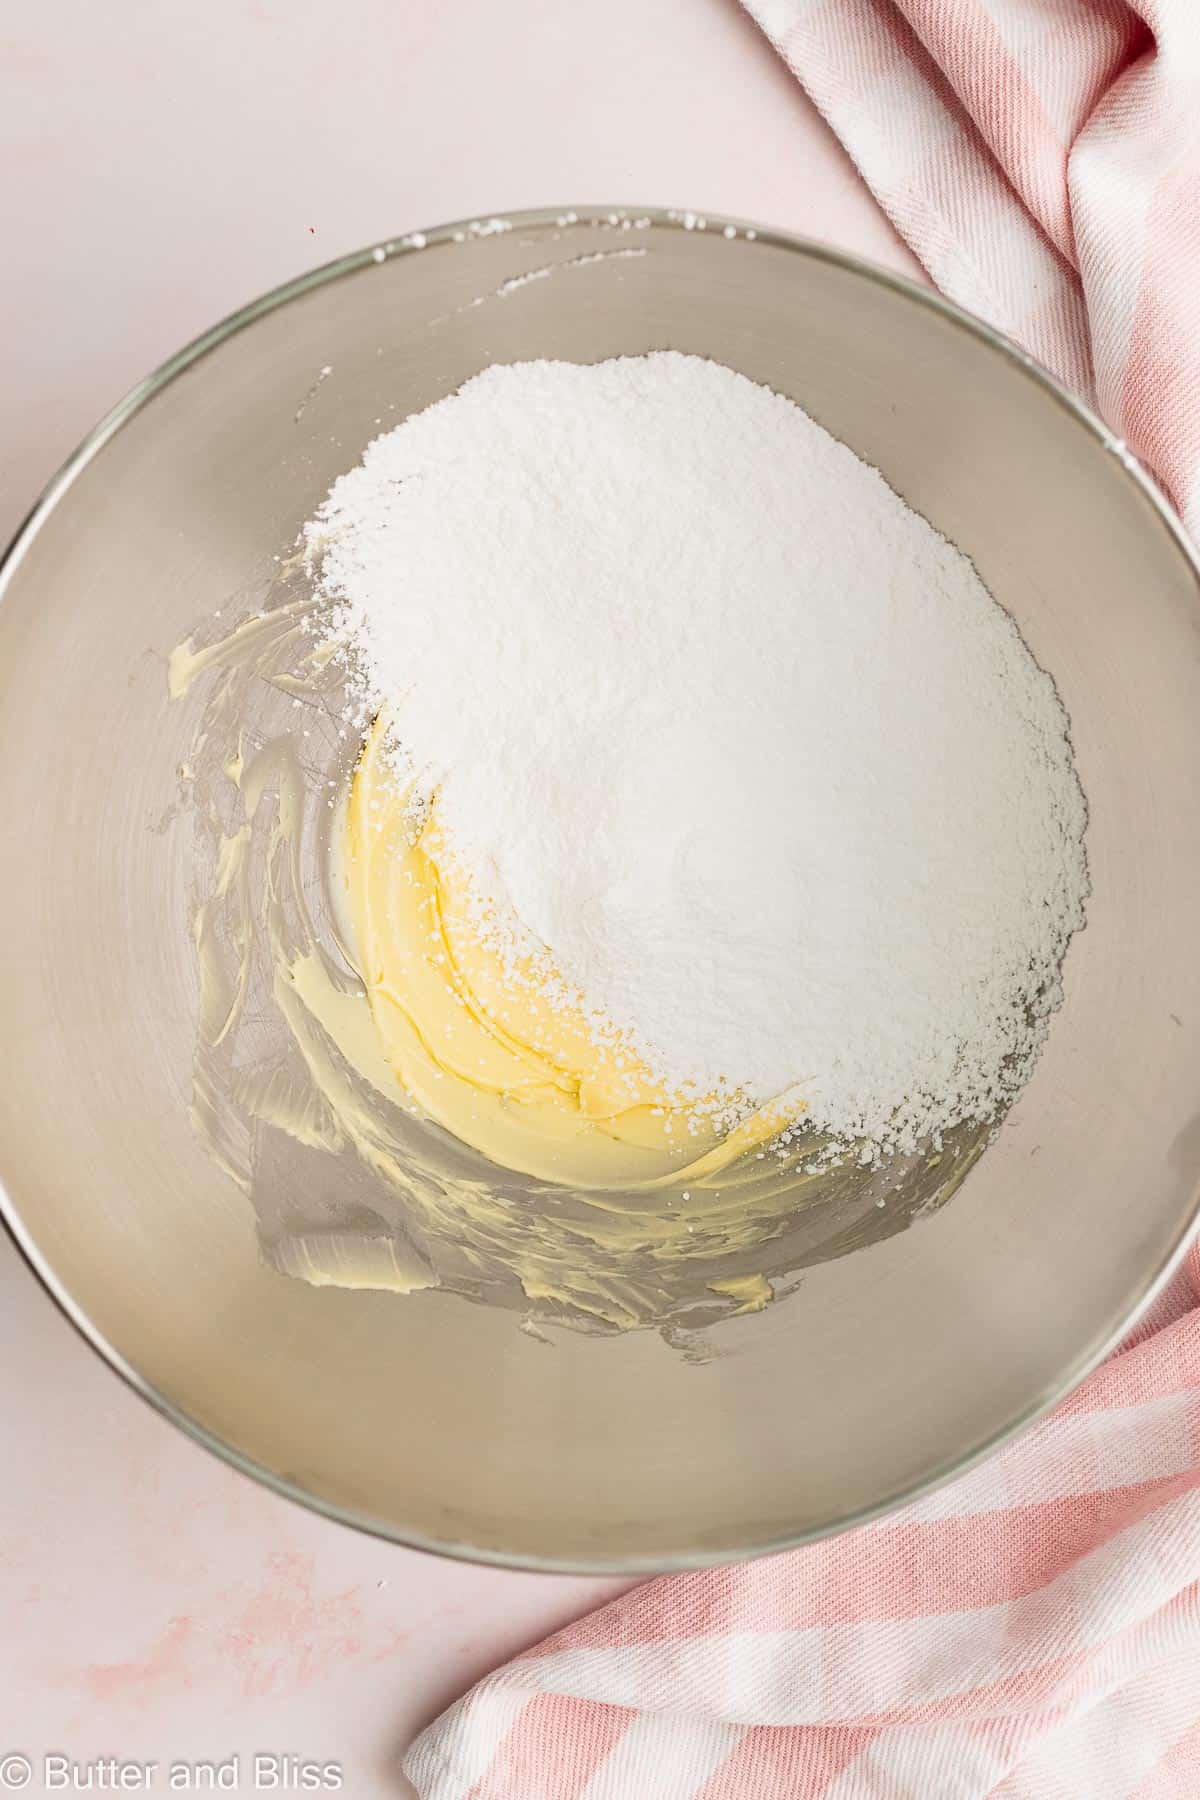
point(1031, 1632)
point(1042, 160)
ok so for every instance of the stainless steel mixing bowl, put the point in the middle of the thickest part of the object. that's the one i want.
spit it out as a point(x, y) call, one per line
point(424, 1417)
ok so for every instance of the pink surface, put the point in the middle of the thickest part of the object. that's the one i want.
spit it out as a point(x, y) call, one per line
point(155, 1604)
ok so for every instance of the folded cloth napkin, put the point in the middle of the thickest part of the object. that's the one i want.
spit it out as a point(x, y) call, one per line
point(1042, 160)
point(1032, 1631)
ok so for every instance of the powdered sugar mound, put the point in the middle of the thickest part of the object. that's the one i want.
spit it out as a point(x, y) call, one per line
point(728, 728)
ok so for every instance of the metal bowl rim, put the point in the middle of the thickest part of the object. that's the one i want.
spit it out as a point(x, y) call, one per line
point(742, 233)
